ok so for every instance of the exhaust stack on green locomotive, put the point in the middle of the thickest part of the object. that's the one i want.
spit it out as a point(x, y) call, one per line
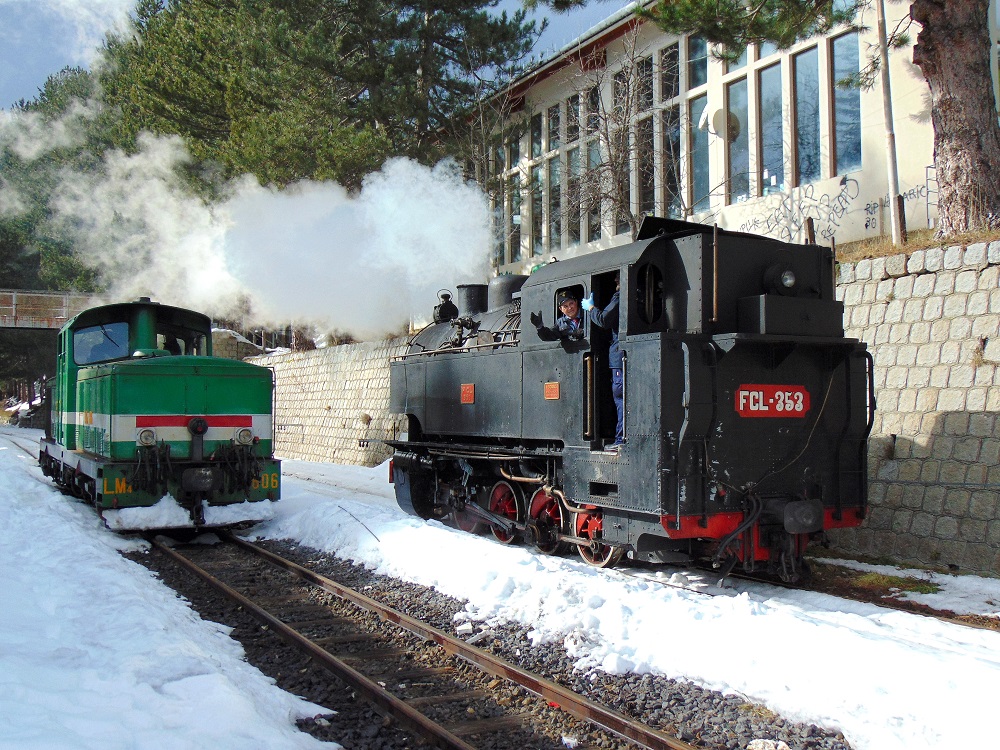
point(140, 410)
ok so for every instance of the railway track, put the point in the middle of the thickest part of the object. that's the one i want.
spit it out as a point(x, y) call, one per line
point(402, 666)
point(23, 444)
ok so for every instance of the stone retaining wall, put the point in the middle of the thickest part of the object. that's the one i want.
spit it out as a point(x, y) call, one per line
point(932, 322)
point(332, 404)
point(231, 345)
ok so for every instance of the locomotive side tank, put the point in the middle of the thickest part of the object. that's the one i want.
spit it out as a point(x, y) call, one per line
point(747, 412)
point(140, 409)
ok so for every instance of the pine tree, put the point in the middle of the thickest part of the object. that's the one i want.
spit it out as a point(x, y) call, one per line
point(321, 89)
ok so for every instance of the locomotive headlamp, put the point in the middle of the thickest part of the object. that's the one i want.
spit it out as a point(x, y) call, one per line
point(244, 436)
point(146, 437)
point(780, 279)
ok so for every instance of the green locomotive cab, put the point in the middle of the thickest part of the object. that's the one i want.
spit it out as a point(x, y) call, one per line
point(142, 412)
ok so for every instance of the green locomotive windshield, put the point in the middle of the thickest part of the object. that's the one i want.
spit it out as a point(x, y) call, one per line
point(100, 343)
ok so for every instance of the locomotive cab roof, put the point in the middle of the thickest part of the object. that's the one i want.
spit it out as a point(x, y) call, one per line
point(125, 310)
point(138, 329)
point(685, 277)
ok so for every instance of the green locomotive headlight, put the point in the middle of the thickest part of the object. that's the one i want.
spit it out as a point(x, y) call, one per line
point(244, 436)
point(146, 437)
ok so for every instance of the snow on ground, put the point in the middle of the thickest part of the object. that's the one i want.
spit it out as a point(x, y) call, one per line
point(97, 653)
point(888, 680)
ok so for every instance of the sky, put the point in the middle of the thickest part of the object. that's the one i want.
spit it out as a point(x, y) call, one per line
point(41, 37)
point(888, 680)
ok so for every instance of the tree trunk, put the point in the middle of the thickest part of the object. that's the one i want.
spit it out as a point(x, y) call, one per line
point(953, 53)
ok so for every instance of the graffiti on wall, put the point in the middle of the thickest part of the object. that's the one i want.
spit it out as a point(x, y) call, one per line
point(874, 209)
point(785, 218)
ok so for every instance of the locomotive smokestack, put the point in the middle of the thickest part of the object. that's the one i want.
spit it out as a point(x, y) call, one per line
point(471, 298)
point(503, 288)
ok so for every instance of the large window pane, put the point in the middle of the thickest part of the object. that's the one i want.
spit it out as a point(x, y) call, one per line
point(553, 121)
point(499, 231)
point(555, 204)
point(621, 92)
point(593, 109)
point(621, 164)
point(514, 230)
point(572, 118)
point(646, 168)
point(536, 136)
point(537, 217)
point(846, 103)
point(499, 155)
point(807, 153)
point(573, 186)
point(513, 152)
point(698, 158)
point(738, 141)
point(740, 62)
point(594, 162)
point(670, 84)
point(697, 61)
point(772, 134)
point(644, 81)
point(672, 197)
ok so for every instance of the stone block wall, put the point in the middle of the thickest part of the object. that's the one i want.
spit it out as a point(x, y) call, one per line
point(231, 345)
point(932, 323)
point(332, 404)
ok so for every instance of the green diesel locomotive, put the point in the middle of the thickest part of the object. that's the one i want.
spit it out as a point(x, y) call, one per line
point(153, 430)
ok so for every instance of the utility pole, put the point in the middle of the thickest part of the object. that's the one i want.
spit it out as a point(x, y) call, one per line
point(890, 136)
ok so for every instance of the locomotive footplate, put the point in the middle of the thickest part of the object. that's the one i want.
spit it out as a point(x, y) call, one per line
point(477, 450)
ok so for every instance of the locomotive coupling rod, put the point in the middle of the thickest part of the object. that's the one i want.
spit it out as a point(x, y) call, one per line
point(504, 523)
point(584, 541)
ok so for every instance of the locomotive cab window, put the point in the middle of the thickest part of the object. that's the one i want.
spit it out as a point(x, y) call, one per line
point(652, 305)
point(100, 343)
point(180, 341)
point(649, 293)
point(575, 292)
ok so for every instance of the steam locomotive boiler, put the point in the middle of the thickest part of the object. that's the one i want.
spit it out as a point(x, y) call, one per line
point(747, 411)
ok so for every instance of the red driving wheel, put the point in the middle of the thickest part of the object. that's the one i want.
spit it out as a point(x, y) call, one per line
point(506, 500)
point(546, 522)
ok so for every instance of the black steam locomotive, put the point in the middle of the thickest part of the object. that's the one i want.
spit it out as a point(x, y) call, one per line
point(747, 412)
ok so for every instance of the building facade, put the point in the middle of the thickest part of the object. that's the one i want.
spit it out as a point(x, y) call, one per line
point(628, 121)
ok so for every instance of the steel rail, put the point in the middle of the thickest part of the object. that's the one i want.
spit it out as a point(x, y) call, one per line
point(370, 690)
point(566, 699)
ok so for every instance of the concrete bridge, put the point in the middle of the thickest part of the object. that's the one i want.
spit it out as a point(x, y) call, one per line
point(28, 309)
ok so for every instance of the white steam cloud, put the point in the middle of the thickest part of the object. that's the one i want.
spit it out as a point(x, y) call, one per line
point(367, 262)
point(143, 232)
point(310, 254)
